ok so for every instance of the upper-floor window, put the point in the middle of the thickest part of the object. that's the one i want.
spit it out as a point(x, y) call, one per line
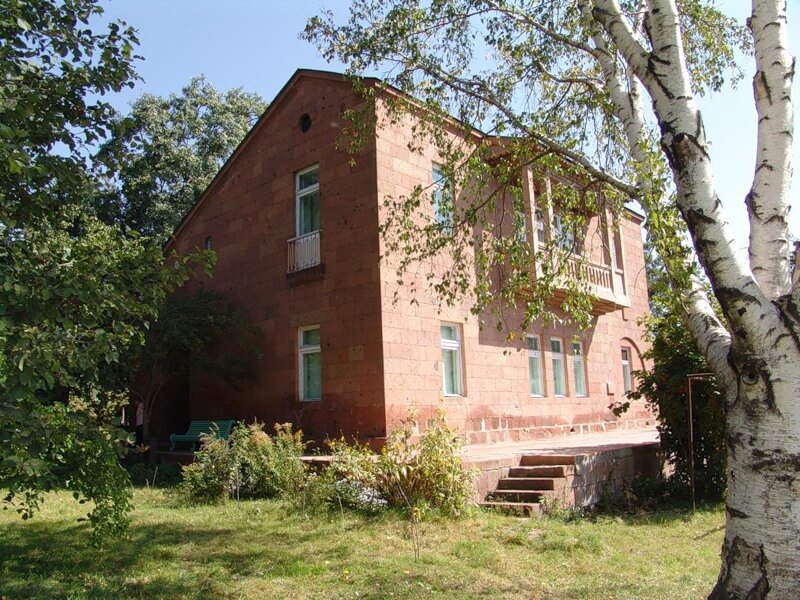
point(579, 369)
point(310, 362)
point(535, 365)
point(557, 358)
point(443, 199)
point(627, 383)
point(208, 244)
point(565, 236)
point(540, 235)
point(307, 193)
point(451, 360)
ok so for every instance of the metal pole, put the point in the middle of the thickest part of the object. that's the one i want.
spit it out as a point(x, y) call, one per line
point(689, 379)
point(691, 444)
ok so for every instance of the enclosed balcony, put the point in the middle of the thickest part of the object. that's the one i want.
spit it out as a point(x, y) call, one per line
point(594, 257)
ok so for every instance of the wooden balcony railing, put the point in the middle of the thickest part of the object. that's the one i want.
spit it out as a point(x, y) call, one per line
point(304, 251)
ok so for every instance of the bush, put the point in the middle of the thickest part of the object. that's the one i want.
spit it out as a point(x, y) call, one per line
point(675, 354)
point(252, 464)
point(268, 466)
point(426, 474)
point(211, 477)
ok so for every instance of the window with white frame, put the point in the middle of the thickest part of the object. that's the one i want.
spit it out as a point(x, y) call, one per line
point(535, 365)
point(565, 236)
point(451, 360)
point(310, 360)
point(443, 201)
point(540, 236)
point(557, 358)
point(578, 369)
point(307, 190)
point(627, 384)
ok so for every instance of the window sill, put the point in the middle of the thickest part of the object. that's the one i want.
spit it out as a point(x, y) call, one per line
point(537, 396)
point(453, 395)
point(310, 400)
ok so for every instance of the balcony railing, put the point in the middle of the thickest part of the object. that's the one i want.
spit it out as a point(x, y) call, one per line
point(304, 251)
point(595, 275)
point(603, 283)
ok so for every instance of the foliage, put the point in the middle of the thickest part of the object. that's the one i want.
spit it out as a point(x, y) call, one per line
point(188, 337)
point(524, 73)
point(163, 155)
point(212, 477)
point(674, 355)
point(75, 294)
point(252, 464)
point(427, 474)
point(269, 466)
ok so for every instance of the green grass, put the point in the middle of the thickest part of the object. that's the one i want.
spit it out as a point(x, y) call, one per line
point(265, 550)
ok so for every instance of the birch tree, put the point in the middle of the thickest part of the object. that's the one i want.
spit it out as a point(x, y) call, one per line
point(563, 84)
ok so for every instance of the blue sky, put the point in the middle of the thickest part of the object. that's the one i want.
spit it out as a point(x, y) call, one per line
point(254, 44)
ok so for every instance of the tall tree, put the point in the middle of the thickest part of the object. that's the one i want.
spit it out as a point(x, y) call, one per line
point(162, 155)
point(568, 79)
point(75, 293)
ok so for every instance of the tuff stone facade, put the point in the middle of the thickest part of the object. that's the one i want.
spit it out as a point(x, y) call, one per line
point(381, 355)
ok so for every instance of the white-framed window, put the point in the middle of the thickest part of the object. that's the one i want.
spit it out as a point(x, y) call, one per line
point(540, 236)
point(443, 200)
point(627, 383)
point(535, 365)
point(565, 236)
point(310, 361)
point(307, 194)
point(452, 379)
point(579, 369)
point(557, 359)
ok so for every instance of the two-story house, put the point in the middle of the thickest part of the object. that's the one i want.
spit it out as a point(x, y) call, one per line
point(295, 226)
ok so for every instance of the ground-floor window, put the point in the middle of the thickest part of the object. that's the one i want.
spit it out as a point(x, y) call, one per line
point(578, 369)
point(535, 365)
point(557, 357)
point(310, 360)
point(626, 370)
point(451, 360)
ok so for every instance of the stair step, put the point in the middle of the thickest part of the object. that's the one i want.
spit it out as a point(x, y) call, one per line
point(525, 509)
point(517, 495)
point(530, 483)
point(542, 471)
point(535, 460)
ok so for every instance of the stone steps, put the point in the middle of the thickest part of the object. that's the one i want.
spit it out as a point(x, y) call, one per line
point(537, 478)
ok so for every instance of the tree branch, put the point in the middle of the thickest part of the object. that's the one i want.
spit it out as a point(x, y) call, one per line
point(768, 200)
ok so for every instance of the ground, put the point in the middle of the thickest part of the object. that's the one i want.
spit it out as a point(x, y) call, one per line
point(264, 549)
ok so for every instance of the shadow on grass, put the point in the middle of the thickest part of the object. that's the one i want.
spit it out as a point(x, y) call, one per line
point(54, 560)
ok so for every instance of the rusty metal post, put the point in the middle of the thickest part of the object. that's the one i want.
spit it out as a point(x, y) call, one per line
point(689, 379)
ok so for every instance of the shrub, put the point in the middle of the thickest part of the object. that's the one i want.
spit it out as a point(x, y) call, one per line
point(268, 466)
point(252, 464)
point(428, 473)
point(211, 477)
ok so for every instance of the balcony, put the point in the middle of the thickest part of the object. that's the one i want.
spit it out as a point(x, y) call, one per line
point(304, 252)
point(603, 282)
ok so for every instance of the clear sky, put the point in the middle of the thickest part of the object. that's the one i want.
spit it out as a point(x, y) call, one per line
point(254, 44)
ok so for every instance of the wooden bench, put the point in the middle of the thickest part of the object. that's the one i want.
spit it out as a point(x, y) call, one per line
point(222, 429)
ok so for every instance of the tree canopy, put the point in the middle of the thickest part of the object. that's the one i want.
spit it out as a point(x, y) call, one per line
point(75, 294)
point(164, 153)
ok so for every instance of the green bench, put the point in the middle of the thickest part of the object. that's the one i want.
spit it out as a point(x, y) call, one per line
point(197, 428)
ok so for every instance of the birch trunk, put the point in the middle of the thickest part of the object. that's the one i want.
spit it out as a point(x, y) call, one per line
point(760, 373)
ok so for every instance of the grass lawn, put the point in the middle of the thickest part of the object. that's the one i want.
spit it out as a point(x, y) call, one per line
point(265, 550)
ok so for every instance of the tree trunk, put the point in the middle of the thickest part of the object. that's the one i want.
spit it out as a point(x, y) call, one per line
point(761, 552)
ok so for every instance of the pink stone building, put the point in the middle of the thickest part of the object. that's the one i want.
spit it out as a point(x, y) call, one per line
point(295, 228)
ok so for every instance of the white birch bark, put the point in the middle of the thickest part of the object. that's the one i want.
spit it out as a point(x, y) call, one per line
point(762, 540)
point(767, 202)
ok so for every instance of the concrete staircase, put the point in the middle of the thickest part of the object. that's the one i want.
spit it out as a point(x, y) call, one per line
point(522, 489)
